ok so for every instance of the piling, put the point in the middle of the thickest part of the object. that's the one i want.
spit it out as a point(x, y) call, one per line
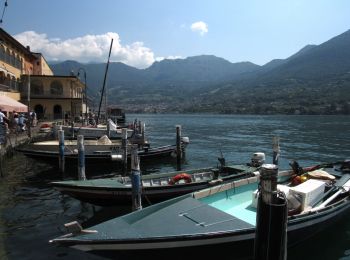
point(61, 150)
point(143, 128)
point(271, 219)
point(178, 147)
point(135, 179)
point(276, 150)
point(81, 157)
point(108, 129)
point(54, 130)
point(1, 161)
point(125, 150)
point(72, 129)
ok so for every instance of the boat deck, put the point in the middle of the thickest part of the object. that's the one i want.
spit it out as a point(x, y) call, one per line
point(236, 202)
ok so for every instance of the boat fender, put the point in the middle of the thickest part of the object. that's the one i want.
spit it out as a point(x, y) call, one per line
point(181, 176)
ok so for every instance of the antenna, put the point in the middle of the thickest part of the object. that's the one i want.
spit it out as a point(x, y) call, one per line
point(3, 12)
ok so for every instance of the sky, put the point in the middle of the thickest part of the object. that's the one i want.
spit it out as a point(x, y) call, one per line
point(145, 31)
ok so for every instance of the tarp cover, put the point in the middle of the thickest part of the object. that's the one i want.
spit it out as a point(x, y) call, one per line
point(9, 104)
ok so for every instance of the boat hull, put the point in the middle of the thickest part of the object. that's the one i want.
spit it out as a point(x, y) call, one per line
point(106, 192)
point(298, 231)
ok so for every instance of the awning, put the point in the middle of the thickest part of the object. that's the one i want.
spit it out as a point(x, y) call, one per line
point(9, 104)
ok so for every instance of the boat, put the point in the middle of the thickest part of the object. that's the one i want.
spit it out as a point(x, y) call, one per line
point(155, 187)
point(113, 131)
point(222, 217)
point(102, 150)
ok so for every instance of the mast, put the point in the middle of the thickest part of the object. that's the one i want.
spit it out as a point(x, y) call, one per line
point(104, 83)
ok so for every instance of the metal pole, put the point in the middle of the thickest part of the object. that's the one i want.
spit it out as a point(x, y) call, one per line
point(125, 150)
point(178, 147)
point(86, 100)
point(271, 218)
point(104, 83)
point(276, 150)
point(29, 121)
point(81, 158)
point(135, 179)
point(61, 162)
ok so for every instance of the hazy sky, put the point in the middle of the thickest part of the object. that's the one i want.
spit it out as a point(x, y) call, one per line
point(149, 30)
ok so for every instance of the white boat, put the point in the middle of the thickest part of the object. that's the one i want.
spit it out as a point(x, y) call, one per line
point(95, 132)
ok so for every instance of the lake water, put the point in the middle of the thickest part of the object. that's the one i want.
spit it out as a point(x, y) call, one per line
point(31, 212)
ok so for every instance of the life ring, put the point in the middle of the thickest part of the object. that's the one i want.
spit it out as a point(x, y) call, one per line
point(181, 176)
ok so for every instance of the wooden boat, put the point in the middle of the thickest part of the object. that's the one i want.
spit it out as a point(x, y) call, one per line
point(155, 187)
point(218, 218)
point(96, 151)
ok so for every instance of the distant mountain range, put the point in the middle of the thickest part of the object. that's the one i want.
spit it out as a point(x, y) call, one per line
point(315, 80)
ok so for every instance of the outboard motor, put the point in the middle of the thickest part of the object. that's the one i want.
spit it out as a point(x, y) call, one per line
point(185, 140)
point(257, 159)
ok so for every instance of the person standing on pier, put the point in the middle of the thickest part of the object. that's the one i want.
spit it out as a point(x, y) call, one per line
point(3, 127)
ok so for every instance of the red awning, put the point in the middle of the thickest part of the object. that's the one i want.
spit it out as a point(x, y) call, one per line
point(9, 104)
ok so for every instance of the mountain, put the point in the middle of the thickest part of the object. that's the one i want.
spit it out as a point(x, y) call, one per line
point(316, 79)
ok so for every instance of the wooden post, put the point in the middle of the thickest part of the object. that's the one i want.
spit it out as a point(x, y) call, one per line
point(276, 150)
point(143, 127)
point(178, 147)
point(1, 160)
point(72, 129)
point(271, 218)
point(54, 130)
point(61, 150)
point(139, 127)
point(135, 179)
point(81, 158)
point(108, 129)
point(125, 150)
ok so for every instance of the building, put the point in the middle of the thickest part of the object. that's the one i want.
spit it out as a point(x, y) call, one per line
point(52, 97)
point(26, 79)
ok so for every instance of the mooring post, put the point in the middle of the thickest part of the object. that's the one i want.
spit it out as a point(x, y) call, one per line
point(1, 162)
point(61, 150)
point(135, 179)
point(178, 147)
point(81, 158)
point(276, 150)
point(72, 129)
point(271, 217)
point(108, 129)
point(125, 150)
point(143, 127)
point(54, 130)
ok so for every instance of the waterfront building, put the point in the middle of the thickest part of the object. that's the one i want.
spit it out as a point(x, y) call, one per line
point(26, 77)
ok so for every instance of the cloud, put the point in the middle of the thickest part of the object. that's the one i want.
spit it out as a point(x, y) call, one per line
point(200, 27)
point(88, 48)
point(169, 58)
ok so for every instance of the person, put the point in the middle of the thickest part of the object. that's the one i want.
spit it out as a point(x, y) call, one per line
point(21, 122)
point(14, 122)
point(33, 118)
point(3, 119)
point(3, 127)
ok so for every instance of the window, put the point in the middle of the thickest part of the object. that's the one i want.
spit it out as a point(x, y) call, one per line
point(36, 88)
point(56, 88)
point(2, 53)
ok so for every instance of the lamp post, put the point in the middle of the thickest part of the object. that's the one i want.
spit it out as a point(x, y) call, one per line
point(86, 99)
point(29, 121)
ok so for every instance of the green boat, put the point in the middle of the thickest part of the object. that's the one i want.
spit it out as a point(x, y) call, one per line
point(222, 217)
point(155, 187)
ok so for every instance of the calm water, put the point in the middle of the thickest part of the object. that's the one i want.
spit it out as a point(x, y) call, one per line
point(31, 212)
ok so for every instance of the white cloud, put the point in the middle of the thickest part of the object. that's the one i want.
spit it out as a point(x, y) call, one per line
point(88, 48)
point(169, 58)
point(200, 27)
